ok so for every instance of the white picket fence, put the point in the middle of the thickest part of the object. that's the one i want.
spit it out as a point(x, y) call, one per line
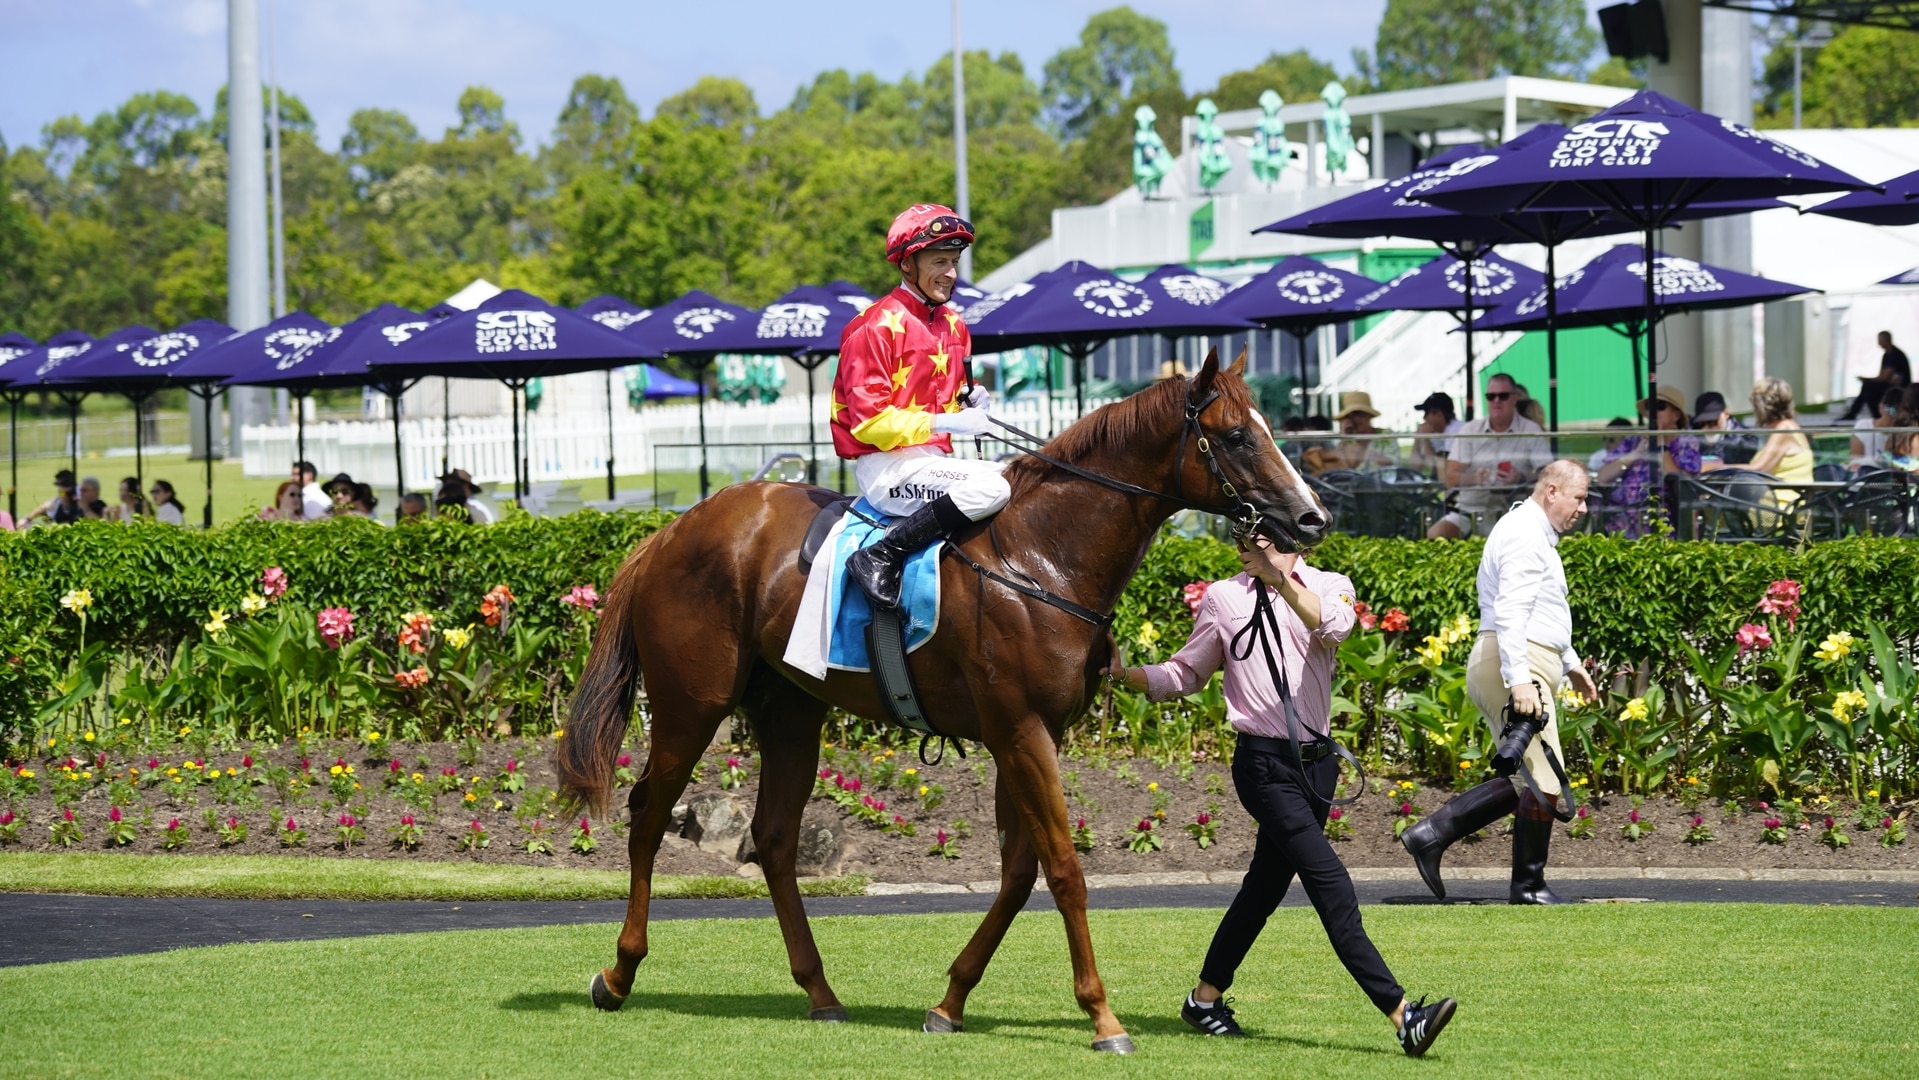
point(574, 446)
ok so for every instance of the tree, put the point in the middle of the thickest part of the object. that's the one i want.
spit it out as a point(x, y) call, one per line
point(1867, 76)
point(378, 143)
point(998, 93)
point(1121, 56)
point(595, 128)
point(1429, 42)
point(1297, 76)
point(712, 102)
point(1620, 72)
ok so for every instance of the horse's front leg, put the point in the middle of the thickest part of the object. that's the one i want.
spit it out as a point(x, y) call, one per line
point(1029, 769)
point(1018, 870)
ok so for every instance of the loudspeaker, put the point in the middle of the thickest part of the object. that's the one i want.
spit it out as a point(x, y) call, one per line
point(1635, 30)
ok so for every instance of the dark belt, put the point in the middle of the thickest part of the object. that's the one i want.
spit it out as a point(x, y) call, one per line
point(1311, 751)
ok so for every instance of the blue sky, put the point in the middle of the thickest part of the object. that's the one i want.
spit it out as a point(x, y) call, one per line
point(83, 56)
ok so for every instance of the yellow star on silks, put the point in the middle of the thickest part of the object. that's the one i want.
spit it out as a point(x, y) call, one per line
point(939, 361)
point(893, 319)
point(837, 407)
point(952, 321)
point(900, 376)
point(953, 405)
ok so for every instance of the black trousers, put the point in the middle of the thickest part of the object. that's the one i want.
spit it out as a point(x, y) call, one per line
point(1292, 843)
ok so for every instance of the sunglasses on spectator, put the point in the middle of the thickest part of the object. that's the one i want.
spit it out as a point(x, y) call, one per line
point(1498, 395)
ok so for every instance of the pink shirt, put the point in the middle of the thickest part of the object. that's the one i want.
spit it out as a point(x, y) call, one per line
point(1252, 701)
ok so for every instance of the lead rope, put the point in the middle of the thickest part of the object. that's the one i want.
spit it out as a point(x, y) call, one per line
point(1256, 630)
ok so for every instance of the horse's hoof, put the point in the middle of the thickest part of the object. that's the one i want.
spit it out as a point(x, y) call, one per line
point(1115, 1044)
point(604, 998)
point(832, 1014)
point(937, 1023)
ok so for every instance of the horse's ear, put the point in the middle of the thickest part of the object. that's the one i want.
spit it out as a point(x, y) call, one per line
point(1209, 371)
point(1239, 364)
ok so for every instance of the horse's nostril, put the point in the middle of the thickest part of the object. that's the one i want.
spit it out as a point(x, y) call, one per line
point(1312, 522)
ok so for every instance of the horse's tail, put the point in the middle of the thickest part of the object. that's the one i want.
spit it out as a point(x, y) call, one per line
point(603, 703)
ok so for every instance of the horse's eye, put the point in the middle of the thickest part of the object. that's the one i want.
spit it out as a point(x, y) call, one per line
point(1236, 438)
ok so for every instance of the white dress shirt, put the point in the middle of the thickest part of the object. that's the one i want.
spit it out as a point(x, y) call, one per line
point(315, 504)
point(1522, 591)
point(1526, 456)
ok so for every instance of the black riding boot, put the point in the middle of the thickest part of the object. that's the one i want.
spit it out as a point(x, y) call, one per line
point(877, 567)
point(1531, 837)
point(1470, 811)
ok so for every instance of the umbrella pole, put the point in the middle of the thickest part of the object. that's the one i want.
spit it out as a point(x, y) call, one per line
point(1469, 339)
point(13, 455)
point(513, 408)
point(299, 426)
point(1049, 391)
point(1079, 355)
point(399, 465)
point(139, 443)
point(1552, 345)
point(206, 413)
point(1638, 379)
point(609, 433)
point(446, 421)
point(700, 371)
point(812, 432)
point(73, 435)
point(1652, 300)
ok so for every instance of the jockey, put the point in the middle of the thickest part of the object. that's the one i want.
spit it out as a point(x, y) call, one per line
point(900, 396)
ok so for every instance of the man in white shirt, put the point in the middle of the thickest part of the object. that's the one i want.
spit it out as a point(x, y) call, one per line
point(1477, 467)
point(315, 504)
point(1524, 652)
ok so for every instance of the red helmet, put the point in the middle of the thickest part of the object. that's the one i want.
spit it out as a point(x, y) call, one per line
point(926, 225)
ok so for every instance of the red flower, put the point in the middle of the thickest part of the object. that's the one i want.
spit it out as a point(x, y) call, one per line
point(233, 822)
point(113, 815)
point(1145, 824)
point(69, 815)
point(1405, 809)
point(512, 765)
point(732, 763)
point(153, 763)
point(413, 635)
point(1081, 824)
point(413, 680)
point(273, 583)
point(336, 626)
point(1698, 820)
point(1828, 821)
point(1772, 823)
point(494, 605)
point(1194, 594)
point(406, 819)
point(174, 824)
point(1367, 620)
point(939, 835)
point(1203, 819)
point(627, 759)
point(1335, 814)
point(1394, 621)
point(290, 826)
point(585, 825)
point(246, 762)
point(6, 817)
point(1633, 816)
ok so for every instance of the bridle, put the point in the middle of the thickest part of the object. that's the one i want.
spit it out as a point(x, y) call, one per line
point(1246, 517)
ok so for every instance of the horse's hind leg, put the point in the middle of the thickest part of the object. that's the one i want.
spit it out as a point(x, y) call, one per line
point(1019, 869)
point(682, 729)
point(788, 725)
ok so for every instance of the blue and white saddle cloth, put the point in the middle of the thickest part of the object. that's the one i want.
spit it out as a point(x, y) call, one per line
point(830, 629)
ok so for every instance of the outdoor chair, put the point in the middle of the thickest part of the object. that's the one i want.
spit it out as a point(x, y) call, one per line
point(1881, 502)
point(1736, 506)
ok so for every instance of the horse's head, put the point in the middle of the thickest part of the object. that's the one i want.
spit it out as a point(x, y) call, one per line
point(1234, 466)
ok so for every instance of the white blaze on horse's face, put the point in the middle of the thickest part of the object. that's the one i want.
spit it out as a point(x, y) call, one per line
point(1300, 488)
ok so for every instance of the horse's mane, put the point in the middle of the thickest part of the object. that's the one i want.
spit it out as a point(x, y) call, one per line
point(1157, 408)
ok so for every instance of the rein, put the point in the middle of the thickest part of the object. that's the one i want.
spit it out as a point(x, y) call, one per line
point(1255, 631)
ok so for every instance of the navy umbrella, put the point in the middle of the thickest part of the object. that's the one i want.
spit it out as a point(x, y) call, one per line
point(614, 313)
point(301, 354)
point(1647, 159)
point(138, 370)
point(806, 324)
point(1466, 287)
point(204, 372)
point(13, 345)
point(1897, 204)
point(17, 378)
point(514, 337)
point(686, 327)
point(1904, 277)
point(1299, 294)
point(54, 360)
point(1611, 289)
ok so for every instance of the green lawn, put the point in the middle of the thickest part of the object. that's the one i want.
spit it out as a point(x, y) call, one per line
point(270, 877)
point(1609, 991)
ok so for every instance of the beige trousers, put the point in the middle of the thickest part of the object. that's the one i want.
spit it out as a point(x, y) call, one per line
point(1487, 687)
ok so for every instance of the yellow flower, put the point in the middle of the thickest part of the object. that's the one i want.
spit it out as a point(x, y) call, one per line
point(1154, 786)
point(1634, 710)
point(1872, 793)
point(458, 636)
point(88, 736)
point(372, 736)
point(1570, 698)
point(173, 772)
point(559, 733)
point(125, 720)
point(252, 604)
point(1148, 633)
point(417, 777)
point(77, 601)
point(1846, 703)
point(1464, 765)
point(216, 622)
point(189, 765)
point(349, 769)
point(889, 751)
point(922, 790)
point(1433, 651)
point(910, 773)
point(1161, 814)
point(185, 731)
point(470, 797)
point(878, 759)
point(28, 773)
point(333, 770)
point(1835, 648)
point(86, 774)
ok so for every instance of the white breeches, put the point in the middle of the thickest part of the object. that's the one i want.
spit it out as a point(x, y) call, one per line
point(902, 481)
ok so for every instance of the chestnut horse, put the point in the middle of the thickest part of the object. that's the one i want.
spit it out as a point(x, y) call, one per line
point(702, 610)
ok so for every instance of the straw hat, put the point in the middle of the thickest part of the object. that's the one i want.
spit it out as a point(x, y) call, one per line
point(1671, 396)
point(1355, 401)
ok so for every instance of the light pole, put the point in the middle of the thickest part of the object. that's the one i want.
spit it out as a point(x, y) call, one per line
point(963, 199)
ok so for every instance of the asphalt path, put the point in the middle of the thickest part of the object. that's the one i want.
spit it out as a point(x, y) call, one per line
point(40, 928)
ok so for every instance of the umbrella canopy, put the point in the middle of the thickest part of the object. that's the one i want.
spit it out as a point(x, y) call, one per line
point(14, 345)
point(1298, 293)
point(514, 337)
point(137, 367)
point(1898, 204)
point(1646, 157)
point(66, 350)
point(1611, 291)
point(686, 325)
point(806, 321)
point(612, 312)
point(654, 383)
point(307, 354)
point(1080, 306)
point(286, 339)
point(1906, 277)
point(1440, 285)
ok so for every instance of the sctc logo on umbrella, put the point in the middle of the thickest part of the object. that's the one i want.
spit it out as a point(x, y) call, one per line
point(1489, 278)
point(798, 320)
point(995, 302)
point(1536, 303)
point(619, 320)
point(1425, 180)
point(1618, 141)
point(402, 331)
point(514, 330)
point(1770, 143)
point(164, 350)
point(1310, 287)
point(57, 355)
point(1676, 275)
point(696, 323)
point(1113, 299)
point(1195, 289)
point(287, 347)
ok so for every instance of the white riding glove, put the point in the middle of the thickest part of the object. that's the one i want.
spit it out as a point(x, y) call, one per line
point(963, 422)
point(978, 398)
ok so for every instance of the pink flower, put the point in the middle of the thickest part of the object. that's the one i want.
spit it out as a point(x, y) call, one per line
point(273, 583)
point(393, 766)
point(1405, 809)
point(475, 825)
point(406, 819)
point(1698, 820)
point(1761, 806)
point(1194, 593)
point(1753, 636)
point(153, 763)
point(347, 822)
point(1203, 819)
point(1081, 824)
point(113, 815)
point(246, 762)
point(6, 817)
point(939, 836)
point(1886, 822)
point(512, 765)
point(1394, 621)
point(732, 763)
point(1584, 813)
point(1145, 824)
point(69, 815)
point(1633, 816)
point(1772, 823)
point(1828, 821)
point(584, 597)
point(290, 826)
point(627, 759)
point(585, 825)
point(1335, 814)
point(1782, 598)
point(336, 626)
point(174, 824)
point(233, 822)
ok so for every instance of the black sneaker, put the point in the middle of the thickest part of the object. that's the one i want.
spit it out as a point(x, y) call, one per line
point(1214, 1019)
point(1422, 1024)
